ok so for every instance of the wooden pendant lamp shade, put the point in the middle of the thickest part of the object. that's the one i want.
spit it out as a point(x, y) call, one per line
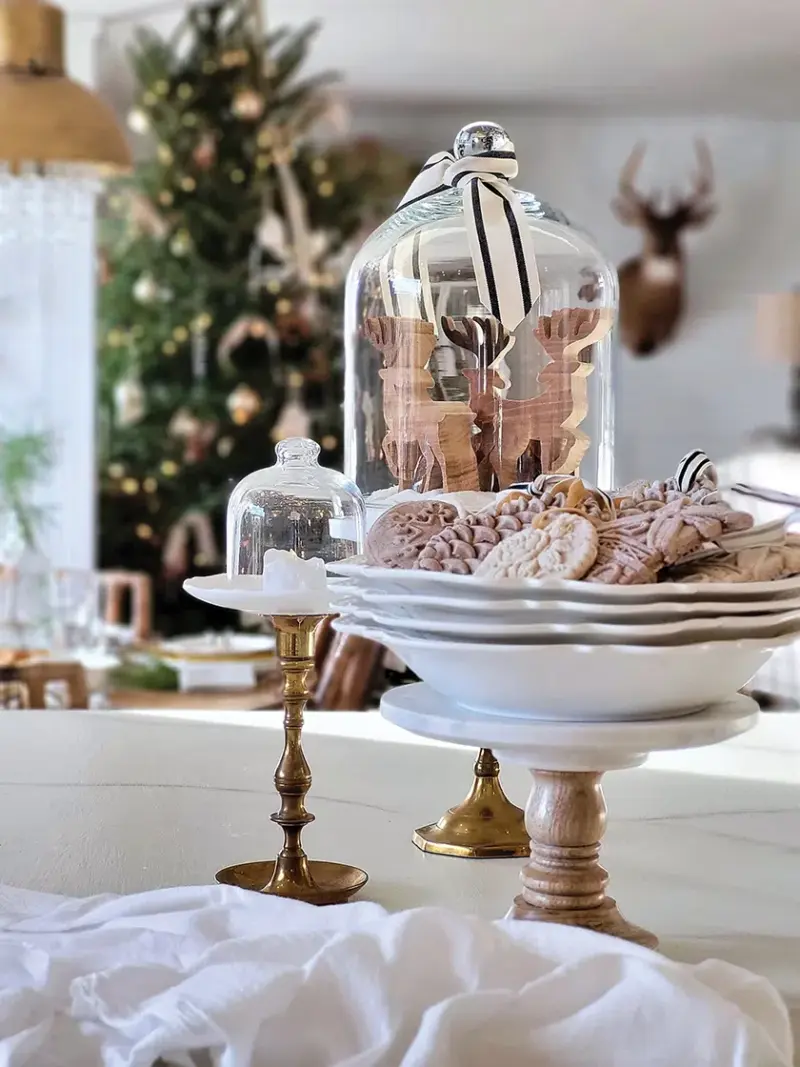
point(45, 118)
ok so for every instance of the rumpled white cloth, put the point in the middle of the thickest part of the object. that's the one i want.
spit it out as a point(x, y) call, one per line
point(214, 975)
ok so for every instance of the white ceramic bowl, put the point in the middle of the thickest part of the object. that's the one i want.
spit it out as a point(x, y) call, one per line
point(350, 597)
point(479, 628)
point(416, 583)
point(580, 682)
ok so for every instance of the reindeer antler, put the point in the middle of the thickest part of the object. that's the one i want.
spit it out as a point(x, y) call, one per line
point(477, 335)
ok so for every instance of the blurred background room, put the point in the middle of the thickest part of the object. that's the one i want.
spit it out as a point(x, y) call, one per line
point(174, 242)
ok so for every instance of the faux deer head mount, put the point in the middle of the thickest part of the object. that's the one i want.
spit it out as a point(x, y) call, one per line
point(652, 283)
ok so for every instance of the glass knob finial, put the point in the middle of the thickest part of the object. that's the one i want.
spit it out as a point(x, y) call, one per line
point(479, 137)
point(297, 450)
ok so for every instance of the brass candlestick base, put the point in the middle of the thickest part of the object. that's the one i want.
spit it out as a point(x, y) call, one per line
point(483, 826)
point(292, 874)
point(564, 882)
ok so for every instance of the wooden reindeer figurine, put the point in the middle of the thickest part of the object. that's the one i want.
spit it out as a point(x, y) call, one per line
point(428, 443)
point(652, 283)
point(486, 338)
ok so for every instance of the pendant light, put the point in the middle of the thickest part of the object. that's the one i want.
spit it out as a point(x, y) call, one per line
point(46, 118)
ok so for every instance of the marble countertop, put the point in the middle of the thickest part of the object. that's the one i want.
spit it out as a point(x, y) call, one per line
point(703, 846)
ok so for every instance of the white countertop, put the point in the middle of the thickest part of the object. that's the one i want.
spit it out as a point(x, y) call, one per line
point(703, 846)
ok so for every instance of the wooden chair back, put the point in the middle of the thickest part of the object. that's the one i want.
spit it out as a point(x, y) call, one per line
point(37, 676)
point(137, 589)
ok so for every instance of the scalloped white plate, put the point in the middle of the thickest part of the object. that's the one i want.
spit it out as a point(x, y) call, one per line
point(479, 628)
point(443, 608)
point(413, 583)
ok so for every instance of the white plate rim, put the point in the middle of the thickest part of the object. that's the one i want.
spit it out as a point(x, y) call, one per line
point(568, 588)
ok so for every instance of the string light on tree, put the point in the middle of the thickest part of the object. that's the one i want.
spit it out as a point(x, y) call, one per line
point(165, 155)
point(144, 531)
point(150, 485)
point(130, 486)
point(138, 121)
point(185, 91)
point(116, 470)
point(248, 105)
point(166, 198)
point(169, 468)
point(146, 289)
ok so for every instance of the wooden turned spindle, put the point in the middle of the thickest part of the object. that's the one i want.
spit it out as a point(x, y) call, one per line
point(564, 881)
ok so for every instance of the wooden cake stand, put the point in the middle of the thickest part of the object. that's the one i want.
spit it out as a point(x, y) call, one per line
point(566, 812)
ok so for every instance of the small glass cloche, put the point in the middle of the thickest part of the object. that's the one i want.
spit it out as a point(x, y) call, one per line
point(285, 523)
point(295, 506)
point(478, 332)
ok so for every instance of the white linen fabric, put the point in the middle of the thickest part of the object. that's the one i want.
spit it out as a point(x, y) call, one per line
point(214, 975)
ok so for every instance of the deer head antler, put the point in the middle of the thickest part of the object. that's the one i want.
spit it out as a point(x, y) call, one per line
point(631, 207)
point(696, 209)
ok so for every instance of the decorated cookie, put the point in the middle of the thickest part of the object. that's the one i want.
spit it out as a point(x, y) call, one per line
point(763, 563)
point(400, 534)
point(556, 545)
point(682, 527)
point(460, 547)
point(624, 556)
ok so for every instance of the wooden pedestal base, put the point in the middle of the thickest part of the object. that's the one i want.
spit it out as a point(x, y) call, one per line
point(564, 882)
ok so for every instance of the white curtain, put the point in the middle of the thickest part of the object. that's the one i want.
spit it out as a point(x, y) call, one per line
point(47, 341)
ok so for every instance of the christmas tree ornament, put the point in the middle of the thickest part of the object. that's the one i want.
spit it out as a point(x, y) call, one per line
point(129, 400)
point(294, 419)
point(205, 152)
point(138, 121)
point(181, 243)
point(145, 217)
point(196, 434)
point(234, 57)
point(244, 403)
point(193, 533)
point(244, 328)
point(248, 105)
point(146, 289)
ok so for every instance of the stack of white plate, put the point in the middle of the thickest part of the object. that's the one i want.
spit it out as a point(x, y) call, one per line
point(580, 651)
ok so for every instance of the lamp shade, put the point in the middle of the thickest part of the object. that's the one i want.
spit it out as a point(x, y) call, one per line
point(778, 326)
point(45, 118)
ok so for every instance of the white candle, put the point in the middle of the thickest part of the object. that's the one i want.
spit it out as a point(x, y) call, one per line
point(298, 586)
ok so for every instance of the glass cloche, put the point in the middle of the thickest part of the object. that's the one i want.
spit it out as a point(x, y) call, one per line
point(295, 506)
point(478, 331)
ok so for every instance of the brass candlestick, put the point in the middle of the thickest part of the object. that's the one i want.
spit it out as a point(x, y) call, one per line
point(483, 826)
point(292, 874)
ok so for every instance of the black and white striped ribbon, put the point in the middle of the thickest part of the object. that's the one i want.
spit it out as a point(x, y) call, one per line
point(695, 469)
point(500, 242)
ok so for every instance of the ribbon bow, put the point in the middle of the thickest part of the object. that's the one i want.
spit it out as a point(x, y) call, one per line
point(499, 238)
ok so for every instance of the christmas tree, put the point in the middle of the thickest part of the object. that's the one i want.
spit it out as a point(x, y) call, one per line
point(223, 264)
